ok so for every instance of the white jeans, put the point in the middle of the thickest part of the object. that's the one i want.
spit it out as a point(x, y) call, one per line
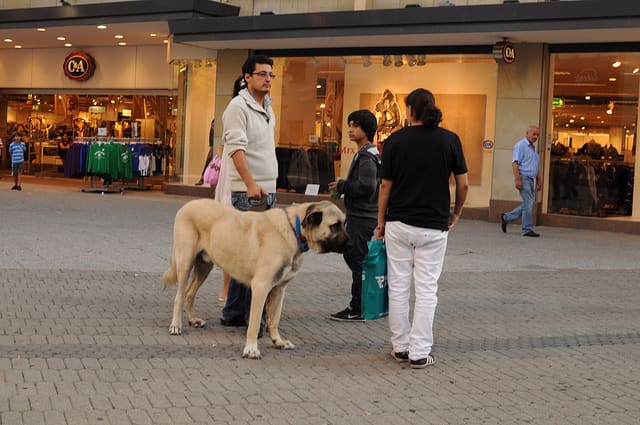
point(414, 254)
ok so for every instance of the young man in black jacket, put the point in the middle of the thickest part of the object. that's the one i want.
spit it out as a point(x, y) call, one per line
point(360, 191)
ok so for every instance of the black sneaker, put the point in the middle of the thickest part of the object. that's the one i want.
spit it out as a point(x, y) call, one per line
point(503, 223)
point(422, 363)
point(15, 187)
point(400, 356)
point(530, 233)
point(347, 315)
point(19, 188)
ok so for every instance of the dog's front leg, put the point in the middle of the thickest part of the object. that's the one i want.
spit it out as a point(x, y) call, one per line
point(274, 310)
point(176, 321)
point(258, 297)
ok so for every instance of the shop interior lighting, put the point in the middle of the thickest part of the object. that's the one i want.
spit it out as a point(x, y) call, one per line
point(398, 61)
point(386, 60)
point(102, 27)
point(636, 70)
point(366, 61)
point(41, 29)
point(616, 64)
point(411, 60)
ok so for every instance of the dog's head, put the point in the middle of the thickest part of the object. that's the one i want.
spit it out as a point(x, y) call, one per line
point(323, 227)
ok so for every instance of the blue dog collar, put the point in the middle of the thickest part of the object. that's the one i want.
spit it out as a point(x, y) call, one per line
point(302, 243)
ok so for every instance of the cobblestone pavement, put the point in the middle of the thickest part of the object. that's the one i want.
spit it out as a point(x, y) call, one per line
point(537, 331)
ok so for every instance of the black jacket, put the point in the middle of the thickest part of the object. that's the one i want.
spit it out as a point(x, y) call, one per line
point(362, 185)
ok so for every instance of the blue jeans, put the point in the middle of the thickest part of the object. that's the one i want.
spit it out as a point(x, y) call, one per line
point(238, 303)
point(525, 209)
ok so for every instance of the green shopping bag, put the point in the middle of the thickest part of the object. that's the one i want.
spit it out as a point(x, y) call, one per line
point(375, 296)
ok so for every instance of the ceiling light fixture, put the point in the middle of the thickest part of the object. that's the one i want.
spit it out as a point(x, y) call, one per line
point(17, 46)
point(118, 36)
point(616, 64)
point(412, 60)
point(61, 38)
point(102, 27)
point(398, 61)
point(68, 44)
point(41, 29)
point(122, 43)
point(635, 71)
point(8, 40)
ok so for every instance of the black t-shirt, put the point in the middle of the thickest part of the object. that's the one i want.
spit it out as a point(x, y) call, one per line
point(420, 161)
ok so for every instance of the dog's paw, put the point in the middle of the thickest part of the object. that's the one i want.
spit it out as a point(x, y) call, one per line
point(175, 330)
point(197, 323)
point(251, 353)
point(284, 345)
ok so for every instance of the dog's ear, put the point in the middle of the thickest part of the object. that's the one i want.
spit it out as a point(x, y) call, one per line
point(313, 218)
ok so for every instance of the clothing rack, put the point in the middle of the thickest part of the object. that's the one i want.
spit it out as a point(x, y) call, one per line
point(111, 188)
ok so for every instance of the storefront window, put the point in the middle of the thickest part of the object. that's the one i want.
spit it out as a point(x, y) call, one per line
point(44, 120)
point(595, 110)
point(315, 95)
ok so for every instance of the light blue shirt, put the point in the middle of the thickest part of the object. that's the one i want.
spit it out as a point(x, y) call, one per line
point(527, 158)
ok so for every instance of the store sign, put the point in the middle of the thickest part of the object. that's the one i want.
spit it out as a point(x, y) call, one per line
point(557, 102)
point(504, 52)
point(79, 66)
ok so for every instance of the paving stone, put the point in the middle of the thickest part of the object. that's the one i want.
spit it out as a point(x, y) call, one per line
point(524, 333)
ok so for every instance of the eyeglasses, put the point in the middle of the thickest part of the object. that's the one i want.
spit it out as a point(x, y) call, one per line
point(263, 74)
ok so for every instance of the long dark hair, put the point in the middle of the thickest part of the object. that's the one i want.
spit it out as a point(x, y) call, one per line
point(424, 108)
point(238, 85)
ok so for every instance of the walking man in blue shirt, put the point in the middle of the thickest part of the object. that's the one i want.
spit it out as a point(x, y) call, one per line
point(525, 171)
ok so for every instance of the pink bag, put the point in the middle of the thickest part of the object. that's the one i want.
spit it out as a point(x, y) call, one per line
point(212, 173)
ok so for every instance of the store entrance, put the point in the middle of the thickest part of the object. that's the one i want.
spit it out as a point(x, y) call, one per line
point(595, 112)
point(50, 124)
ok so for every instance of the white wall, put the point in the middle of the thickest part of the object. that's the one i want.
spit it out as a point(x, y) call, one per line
point(132, 68)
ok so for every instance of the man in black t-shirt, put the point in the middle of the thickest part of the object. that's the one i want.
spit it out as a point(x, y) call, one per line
point(414, 217)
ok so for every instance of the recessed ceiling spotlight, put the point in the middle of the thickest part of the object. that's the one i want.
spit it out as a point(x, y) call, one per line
point(68, 44)
point(8, 40)
point(118, 36)
point(41, 29)
point(613, 79)
point(165, 41)
point(616, 64)
point(102, 27)
point(17, 46)
point(635, 71)
point(122, 43)
point(587, 97)
point(61, 38)
point(153, 34)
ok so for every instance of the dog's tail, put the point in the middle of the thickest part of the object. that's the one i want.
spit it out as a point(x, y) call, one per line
point(170, 277)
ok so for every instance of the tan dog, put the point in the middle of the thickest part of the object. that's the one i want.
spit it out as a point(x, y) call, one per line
point(261, 249)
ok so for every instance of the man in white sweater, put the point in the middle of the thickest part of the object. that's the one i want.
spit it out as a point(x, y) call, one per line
point(248, 134)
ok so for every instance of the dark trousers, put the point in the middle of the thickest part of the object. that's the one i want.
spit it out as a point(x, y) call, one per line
point(360, 231)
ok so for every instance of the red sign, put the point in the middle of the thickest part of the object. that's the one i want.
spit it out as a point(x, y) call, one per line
point(79, 66)
point(504, 52)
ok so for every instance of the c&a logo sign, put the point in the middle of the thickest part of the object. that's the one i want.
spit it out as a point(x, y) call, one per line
point(79, 66)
